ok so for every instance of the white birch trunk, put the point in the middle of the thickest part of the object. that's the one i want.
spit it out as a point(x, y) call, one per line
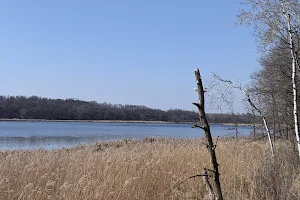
point(296, 121)
point(264, 120)
point(269, 136)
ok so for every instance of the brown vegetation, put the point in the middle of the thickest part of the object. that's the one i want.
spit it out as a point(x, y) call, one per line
point(150, 169)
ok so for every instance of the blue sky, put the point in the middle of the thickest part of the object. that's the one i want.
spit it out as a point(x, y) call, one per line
point(127, 52)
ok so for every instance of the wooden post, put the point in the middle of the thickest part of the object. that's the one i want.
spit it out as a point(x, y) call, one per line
point(205, 126)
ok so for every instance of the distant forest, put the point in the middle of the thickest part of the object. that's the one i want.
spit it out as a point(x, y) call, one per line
point(22, 107)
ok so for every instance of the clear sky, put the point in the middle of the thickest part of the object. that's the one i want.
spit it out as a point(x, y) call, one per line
point(121, 51)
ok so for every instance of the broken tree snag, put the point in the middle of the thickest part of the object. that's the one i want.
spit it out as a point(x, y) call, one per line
point(208, 185)
point(207, 133)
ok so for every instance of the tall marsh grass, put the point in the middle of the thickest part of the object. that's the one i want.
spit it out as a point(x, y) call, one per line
point(150, 169)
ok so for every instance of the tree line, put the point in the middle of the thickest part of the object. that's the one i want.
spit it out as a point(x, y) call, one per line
point(274, 94)
point(33, 107)
point(275, 87)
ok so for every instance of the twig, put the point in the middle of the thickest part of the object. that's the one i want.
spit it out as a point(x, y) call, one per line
point(184, 180)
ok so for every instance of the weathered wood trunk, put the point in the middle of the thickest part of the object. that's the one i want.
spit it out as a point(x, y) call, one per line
point(205, 126)
point(264, 120)
point(208, 185)
point(254, 125)
point(269, 136)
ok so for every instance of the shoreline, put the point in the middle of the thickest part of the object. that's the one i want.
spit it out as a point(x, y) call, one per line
point(117, 121)
point(95, 121)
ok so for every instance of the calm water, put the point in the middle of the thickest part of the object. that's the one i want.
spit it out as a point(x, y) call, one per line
point(54, 135)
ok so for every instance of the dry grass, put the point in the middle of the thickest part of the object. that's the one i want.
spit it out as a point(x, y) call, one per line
point(149, 169)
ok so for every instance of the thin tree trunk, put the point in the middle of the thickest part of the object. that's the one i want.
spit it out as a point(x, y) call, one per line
point(279, 127)
point(236, 131)
point(255, 108)
point(264, 120)
point(274, 117)
point(205, 126)
point(254, 125)
point(269, 136)
point(287, 132)
point(296, 121)
point(254, 131)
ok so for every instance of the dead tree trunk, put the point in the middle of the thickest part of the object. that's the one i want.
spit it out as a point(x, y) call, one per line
point(253, 107)
point(264, 120)
point(208, 185)
point(236, 131)
point(254, 124)
point(205, 126)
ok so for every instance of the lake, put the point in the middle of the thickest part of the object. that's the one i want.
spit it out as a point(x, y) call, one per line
point(55, 135)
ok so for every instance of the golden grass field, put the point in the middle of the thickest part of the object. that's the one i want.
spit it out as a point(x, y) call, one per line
point(150, 169)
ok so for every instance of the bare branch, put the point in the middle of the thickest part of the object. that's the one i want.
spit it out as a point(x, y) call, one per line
point(197, 126)
point(239, 87)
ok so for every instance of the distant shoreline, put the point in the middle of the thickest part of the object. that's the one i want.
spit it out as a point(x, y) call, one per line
point(95, 121)
point(116, 121)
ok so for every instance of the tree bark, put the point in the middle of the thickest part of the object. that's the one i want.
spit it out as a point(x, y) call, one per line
point(274, 116)
point(208, 137)
point(254, 125)
point(264, 120)
point(208, 185)
point(269, 135)
point(294, 82)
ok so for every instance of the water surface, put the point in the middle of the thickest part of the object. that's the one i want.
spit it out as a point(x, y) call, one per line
point(54, 135)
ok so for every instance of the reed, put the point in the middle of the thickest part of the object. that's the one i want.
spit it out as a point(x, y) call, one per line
point(150, 169)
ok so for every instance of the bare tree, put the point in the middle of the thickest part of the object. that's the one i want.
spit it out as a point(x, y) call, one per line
point(253, 106)
point(271, 87)
point(273, 24)
point(294, 62)
point(205, 126)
